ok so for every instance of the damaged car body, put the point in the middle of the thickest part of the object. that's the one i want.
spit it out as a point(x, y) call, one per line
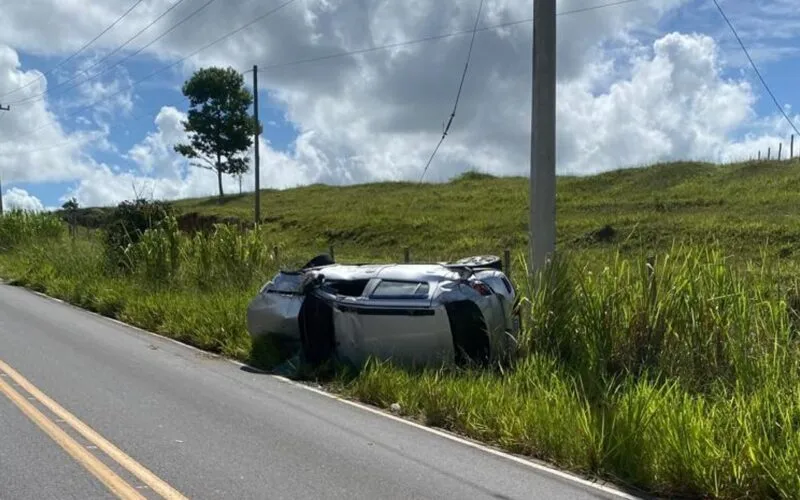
point(411, 314)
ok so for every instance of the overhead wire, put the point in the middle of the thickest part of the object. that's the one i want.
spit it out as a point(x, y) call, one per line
point(464, 74)
point(75, 54)
point(342, 54)
point(433, 38)
point(163, 68)
point(755, 68)
point(41, 96)
point(458, 94)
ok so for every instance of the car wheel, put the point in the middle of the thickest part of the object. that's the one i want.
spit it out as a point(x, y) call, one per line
point(481, 261)
point(470, 335)
point(317, 336)
point(320, 260)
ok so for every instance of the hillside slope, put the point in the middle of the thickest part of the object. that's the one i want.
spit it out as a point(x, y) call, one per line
point(744, 206)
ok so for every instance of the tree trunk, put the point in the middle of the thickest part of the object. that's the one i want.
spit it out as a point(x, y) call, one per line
point(219, 177)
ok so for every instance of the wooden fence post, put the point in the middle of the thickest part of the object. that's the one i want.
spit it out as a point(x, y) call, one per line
point(406, 255)
point(769, 152)
point(275, 253)
point(780, 147)
point(791, 147)
point(507, 262)
point(331, 252)
point(759, 155)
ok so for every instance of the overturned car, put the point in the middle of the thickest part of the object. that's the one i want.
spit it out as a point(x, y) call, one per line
point(411, 314)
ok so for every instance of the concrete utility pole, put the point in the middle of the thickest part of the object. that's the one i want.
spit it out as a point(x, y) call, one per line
point(255, 142)
point(542, 223)
point(2, 108)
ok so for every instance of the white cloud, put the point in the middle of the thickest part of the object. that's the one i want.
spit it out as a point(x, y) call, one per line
point(627, 95)
point(30, 133)
point(19, 199)
point(164, 174)
point(155, 154)
point(675, 105)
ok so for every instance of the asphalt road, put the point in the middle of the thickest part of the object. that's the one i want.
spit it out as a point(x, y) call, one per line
point(206, 427)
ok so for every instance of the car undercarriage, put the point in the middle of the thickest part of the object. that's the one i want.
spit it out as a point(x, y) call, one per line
point(410, 314)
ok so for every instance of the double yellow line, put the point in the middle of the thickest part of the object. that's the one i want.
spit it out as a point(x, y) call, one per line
point(101, 471)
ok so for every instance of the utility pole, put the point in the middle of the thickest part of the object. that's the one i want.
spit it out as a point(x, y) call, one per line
point(2, 108)
point(255, 142)
point(542, 223)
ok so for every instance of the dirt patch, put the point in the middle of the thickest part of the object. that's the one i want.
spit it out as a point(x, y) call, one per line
point(605, 234)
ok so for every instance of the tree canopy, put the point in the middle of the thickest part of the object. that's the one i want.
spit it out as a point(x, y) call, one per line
point(219, 125)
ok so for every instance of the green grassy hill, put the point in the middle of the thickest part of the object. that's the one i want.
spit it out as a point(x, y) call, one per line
point(745, 207)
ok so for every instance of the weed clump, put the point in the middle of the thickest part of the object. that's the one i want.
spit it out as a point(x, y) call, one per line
point(125, 227)
point(19, 227)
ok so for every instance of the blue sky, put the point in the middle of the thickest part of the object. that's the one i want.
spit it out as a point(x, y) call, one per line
point(335, 121)
point(128, 129)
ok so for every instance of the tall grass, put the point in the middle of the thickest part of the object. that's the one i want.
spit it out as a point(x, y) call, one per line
point(689, 316)
point(680, 376)
point(226, 257)
point(19, 227)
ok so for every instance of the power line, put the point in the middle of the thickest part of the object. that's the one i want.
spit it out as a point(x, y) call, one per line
point(755, 68)
point(455, 106)
point(46, 148)
point(75, 54)
point(164, 68)
point(40, 97)
point(433, 38)
point(377, 48)
point(458, 94)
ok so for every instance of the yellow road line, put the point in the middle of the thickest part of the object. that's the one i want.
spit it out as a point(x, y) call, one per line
point(146, 476)
point(112, 481)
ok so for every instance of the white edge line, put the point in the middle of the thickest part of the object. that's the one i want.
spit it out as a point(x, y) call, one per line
point(374, 410)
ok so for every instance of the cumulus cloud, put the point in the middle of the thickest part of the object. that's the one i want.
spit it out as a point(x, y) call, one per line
point(29, 133)
point(676, 104)
point(19, 199)
point(155, 153)
point(627, 93)
point(164, 174)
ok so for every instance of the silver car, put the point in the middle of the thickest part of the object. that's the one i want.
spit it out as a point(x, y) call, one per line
point(411, 314)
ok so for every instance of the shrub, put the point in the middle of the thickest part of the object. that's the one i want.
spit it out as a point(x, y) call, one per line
point(126, 226)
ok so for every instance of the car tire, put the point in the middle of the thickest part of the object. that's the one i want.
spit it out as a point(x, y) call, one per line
point(317, 335)
point(320, 260)
point(481, 261)
point(470, 335)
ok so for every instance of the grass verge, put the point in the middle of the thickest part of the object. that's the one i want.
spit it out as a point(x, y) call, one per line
point(681, 379)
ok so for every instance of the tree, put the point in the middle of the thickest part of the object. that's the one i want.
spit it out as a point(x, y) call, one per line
point(219, 126)
point(71, 207)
